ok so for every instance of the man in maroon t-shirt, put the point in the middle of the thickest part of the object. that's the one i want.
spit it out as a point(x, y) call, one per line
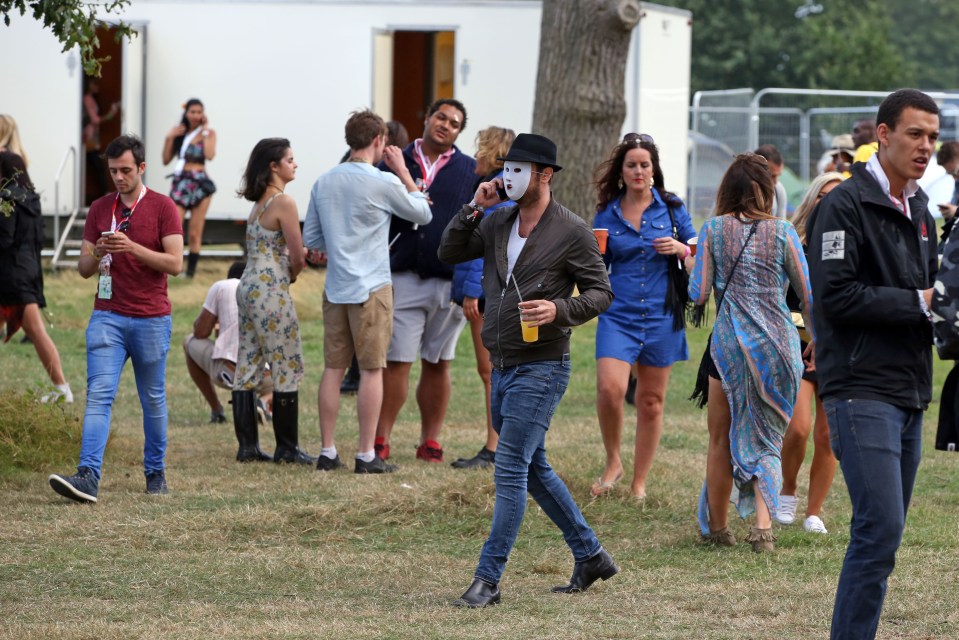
point(132, 240)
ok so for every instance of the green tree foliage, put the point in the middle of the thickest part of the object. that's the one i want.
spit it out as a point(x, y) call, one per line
point(73, 22)
point(824, 44)
point(927, 31)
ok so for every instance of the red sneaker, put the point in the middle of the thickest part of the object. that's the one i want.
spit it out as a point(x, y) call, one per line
point(431, 451)
point(381, 447)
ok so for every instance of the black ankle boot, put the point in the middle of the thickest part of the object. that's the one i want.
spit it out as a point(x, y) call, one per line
point(480, 594)
point(286, 427)
point(191, 260)
point(589, 571)
point(244, 424)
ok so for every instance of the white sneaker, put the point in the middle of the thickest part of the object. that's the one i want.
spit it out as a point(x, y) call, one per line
point(814, 524)
point(787, 509)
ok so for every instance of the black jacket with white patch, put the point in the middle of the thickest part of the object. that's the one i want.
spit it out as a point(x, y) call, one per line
point(866, 262)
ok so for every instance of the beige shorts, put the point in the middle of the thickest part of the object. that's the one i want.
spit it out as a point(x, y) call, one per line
point(200, 350)
point(363, 329)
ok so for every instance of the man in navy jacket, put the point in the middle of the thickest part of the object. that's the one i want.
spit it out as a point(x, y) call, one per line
point(872, 261)
point(426, 323)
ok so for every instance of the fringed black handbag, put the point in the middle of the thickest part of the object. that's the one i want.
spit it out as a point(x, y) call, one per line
point(677, 291)
point(700, 393)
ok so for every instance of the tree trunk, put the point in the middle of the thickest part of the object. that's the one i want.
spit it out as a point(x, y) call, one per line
point(580, 87)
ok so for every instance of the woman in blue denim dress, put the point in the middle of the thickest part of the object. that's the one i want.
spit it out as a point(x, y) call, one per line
point(647, 228)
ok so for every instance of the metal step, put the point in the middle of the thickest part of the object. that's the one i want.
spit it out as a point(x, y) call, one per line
point(66, 245)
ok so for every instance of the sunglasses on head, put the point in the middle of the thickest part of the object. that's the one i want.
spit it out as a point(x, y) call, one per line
point(753, 157)
point(124, 220)
point(636, 138)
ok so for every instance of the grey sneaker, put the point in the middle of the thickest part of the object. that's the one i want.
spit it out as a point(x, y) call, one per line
point(82, 486)
point(156, 483)
point(377, 466)
point(329, 464)
point(482, 460)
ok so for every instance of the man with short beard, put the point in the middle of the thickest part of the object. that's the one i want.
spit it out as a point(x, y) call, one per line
point(133, 240)
point(534, 253)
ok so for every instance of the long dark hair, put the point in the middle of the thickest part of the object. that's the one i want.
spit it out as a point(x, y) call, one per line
point(178, 141)
point(746, 189)
point(13, 168)
point(609, 183)
point(257, 174)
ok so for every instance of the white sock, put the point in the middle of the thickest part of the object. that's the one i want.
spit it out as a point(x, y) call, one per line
point(329, 452)
point(65, 390)
point(366, 456)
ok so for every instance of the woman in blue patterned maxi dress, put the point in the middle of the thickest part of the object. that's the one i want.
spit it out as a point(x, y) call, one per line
point(756, 351)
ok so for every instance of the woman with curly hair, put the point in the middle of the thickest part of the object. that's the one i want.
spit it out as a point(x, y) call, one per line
point(643, 330)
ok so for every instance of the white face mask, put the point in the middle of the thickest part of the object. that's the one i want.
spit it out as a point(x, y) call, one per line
point(516, 178)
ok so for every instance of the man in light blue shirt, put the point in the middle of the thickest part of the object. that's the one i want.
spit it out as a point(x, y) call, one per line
point(349, 219)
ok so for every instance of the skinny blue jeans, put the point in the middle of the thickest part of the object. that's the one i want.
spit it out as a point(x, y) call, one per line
point(523, 400)
point(112, 339)
point(878, 446)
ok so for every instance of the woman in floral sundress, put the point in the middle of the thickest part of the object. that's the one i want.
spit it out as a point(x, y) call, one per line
point(269, 331)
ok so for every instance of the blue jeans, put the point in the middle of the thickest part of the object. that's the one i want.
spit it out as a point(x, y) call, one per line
point(523, 399)
point(878, 446)
point(111, 340)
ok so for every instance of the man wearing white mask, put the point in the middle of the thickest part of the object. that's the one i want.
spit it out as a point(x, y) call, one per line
point(534, 253)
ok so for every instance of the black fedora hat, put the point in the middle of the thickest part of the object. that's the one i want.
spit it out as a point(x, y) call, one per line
point(530, 147)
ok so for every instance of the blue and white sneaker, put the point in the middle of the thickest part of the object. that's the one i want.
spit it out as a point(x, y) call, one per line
point(82, 486)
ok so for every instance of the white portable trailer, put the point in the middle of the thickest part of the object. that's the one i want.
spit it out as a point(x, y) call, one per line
point(296, 69)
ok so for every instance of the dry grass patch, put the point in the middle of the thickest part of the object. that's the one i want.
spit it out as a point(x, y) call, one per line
point(266, 551)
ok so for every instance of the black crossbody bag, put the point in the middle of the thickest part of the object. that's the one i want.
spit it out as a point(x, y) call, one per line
point(700, 393)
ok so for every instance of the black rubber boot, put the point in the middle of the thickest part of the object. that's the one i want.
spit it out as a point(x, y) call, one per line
point(351, 381)
point(244, 424)
point(191, 260)
point(286, 426)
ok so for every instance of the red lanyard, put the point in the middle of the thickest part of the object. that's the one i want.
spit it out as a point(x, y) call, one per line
point(427, 168)
point(113, 215)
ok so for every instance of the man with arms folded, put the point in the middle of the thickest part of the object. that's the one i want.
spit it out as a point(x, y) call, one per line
point(349, 219)
point(872, 262)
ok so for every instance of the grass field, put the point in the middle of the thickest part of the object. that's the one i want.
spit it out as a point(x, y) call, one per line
point(261, 550)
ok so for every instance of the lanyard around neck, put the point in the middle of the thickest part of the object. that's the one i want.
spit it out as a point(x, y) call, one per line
point(426, 167)
point(113, 216)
